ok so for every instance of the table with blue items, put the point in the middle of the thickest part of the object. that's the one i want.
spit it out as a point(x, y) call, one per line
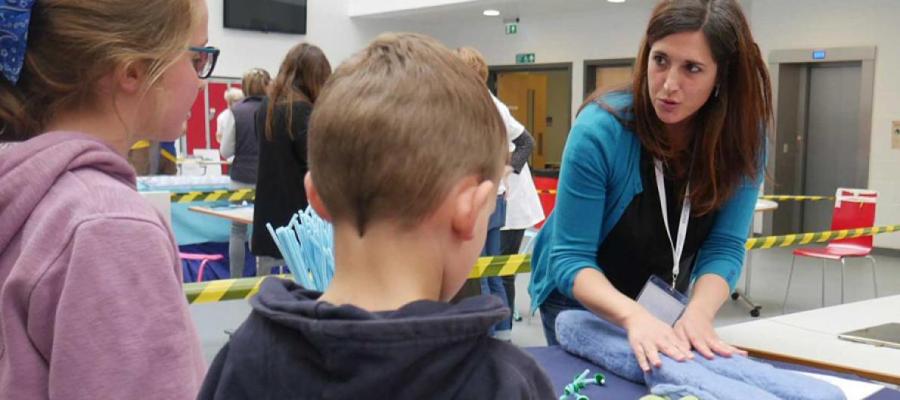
point(189, 227)
point(563, 367)
point(195, 232)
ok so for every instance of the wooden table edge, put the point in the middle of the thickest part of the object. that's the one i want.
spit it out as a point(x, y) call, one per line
point(877, 376)
point(211, 212)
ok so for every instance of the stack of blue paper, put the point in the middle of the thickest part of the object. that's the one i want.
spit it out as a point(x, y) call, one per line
point(307, 245)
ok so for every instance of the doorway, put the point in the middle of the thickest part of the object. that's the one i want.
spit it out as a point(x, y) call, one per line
point(822, 130)
point(607, 74)
point(201, 125)
point(539, 96)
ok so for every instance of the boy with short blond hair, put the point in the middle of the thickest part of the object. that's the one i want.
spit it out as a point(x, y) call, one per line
point(405, 149)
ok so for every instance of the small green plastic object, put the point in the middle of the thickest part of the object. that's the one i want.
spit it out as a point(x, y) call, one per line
point(573, 388)
point(583, 374)
point(597, 379)
point(579, 383)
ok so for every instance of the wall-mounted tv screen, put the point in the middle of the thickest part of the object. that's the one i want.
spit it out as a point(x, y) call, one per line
point(287, 16)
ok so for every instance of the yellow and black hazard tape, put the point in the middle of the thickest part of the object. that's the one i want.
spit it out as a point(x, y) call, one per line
point(501, 266)
point(800, 239)
point(796, 198)
point(768, 197)
point(223, 289)
point(216, 195)
point(237, 289)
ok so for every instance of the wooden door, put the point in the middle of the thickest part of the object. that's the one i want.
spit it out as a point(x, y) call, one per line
point(525, 93)
point(613, 77)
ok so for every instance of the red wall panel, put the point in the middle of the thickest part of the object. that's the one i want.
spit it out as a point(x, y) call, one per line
point(217, 104)
point(196, 127)
point(201, 114)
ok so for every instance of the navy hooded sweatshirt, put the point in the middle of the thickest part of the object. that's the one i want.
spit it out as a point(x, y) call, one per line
point(294, 347)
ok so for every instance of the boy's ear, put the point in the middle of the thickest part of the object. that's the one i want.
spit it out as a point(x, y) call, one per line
point(314, 200)
point(470, 200)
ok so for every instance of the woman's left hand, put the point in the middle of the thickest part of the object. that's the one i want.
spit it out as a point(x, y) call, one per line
point(697, 329)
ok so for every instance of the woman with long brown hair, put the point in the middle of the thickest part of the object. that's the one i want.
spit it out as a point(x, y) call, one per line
point(282, 122)
point(658, 184)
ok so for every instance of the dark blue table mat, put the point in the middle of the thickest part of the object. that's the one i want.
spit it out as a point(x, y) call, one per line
point(562, 367)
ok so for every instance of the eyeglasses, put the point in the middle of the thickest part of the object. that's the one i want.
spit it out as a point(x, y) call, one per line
point(206, 62)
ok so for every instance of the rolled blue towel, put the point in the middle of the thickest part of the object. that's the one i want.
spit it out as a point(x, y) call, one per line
point(584, 334)
point(786, 385)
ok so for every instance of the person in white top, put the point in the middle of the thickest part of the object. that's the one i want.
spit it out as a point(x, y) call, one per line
point(225, 123)
point(518, 205)
point(523, 209)
point(523, 205)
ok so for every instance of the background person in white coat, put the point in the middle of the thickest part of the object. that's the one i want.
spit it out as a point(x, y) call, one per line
point(513, 194)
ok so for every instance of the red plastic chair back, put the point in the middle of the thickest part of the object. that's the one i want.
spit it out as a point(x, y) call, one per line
point(548, 200)
point(854, 208)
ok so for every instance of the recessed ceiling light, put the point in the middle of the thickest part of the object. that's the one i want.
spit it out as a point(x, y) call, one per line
point(616, 1)
point(491, 13)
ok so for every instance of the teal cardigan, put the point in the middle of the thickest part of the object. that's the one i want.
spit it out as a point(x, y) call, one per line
point(600, 175)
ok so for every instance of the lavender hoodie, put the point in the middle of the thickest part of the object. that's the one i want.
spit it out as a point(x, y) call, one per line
point(91, 302)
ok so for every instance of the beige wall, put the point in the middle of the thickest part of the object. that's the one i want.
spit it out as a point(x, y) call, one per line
point(779, 24)
point(596, 34)
point(328, 26)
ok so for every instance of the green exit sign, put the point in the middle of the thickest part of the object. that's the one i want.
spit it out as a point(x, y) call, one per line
point(525, 58)
point(512, 28)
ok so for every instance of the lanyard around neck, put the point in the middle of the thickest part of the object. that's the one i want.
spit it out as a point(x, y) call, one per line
point(677, 246)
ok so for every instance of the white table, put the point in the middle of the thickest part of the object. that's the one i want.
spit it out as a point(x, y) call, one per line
point(811, 338)
point(765, 205)
point(761, 206)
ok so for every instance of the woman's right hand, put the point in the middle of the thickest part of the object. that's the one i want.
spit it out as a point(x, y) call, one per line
point(648, 336)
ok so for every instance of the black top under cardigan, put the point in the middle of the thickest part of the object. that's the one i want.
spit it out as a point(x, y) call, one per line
point(638, 247)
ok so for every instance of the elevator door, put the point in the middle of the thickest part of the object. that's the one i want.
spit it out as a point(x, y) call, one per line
point(833, 138)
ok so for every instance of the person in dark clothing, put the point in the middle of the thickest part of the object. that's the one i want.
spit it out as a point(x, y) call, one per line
point(242, 141)
point(245, 144)
point(295, 347)
point(282, 123)
point(405, 154)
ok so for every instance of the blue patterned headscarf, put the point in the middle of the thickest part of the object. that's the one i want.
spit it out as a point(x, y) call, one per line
point(14, 18)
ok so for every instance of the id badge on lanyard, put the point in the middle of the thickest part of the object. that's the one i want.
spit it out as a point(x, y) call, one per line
point(678, 245)
point(658, 298)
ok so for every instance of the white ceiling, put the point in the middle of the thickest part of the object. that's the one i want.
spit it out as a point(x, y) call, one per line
point(508, 9)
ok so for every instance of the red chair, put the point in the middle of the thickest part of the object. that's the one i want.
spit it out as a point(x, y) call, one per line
point(546, 187)
point(203, 258)
point(853, 208)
